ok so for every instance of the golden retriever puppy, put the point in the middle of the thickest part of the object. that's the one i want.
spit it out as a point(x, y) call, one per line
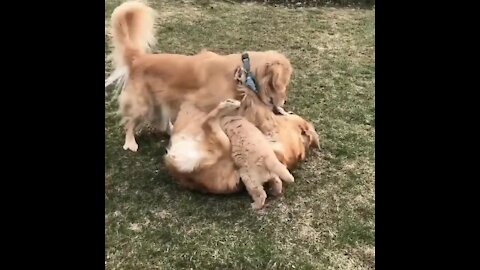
point(251, 152)
point(200, 158)
point(157, 84)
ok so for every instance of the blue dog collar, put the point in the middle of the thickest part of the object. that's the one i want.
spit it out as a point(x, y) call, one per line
point(250, 80)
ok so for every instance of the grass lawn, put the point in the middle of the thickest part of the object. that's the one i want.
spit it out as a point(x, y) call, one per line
point(325, 220)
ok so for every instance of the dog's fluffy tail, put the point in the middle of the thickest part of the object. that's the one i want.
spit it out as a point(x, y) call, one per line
point(279, 169)
point(132, 31)
point(183, 154)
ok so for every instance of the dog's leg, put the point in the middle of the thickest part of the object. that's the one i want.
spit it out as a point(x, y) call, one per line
point(277, 186)
point(170, 128)
point(258, 195)
point(165, 118)
point(130, 142)
point(256, 191)
point(211, 126)
point(159, 126)
point(162, 118)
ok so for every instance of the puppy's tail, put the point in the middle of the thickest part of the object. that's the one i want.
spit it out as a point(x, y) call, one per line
point(132, 29)
point(279, 169)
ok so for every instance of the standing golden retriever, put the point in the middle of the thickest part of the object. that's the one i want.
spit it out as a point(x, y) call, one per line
point(157, 84)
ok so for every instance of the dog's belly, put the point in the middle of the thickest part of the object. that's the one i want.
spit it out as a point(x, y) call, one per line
point(185, 153)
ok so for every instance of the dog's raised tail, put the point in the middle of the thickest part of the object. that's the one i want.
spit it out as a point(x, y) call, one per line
point(132, 33)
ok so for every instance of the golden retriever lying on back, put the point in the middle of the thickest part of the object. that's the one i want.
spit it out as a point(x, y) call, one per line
point(199, 158)
point(157, 84)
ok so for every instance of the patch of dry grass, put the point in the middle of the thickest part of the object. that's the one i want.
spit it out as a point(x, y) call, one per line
point(326, 220)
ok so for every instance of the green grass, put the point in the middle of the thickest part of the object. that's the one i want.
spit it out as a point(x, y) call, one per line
point(325, 220)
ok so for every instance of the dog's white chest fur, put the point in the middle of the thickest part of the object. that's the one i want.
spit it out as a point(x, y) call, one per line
point(185, 152)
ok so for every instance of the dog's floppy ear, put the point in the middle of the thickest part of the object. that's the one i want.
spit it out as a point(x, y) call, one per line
point(273, 71)
point(309, 132)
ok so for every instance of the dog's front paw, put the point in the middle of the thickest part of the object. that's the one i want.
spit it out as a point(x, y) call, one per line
point(133, 146)
point(276, 192)
point(257, 206)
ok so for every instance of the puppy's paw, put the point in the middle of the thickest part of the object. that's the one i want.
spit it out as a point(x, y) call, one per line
point(258, 203)
point(229, 104)
point(232, 102)
point(239, 75)
point(256, 206)
point(276, 192)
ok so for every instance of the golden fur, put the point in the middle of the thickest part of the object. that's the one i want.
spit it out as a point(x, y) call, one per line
point(251, 153)
point(200, 159)
point(157, 84)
